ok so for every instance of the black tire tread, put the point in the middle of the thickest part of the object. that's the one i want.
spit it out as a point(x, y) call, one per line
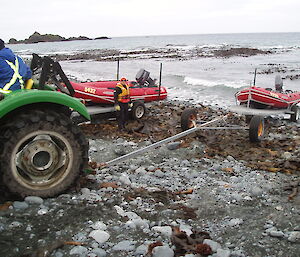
point(253, 129)
point(185, 118)
point(20, 125)
point(294, 109)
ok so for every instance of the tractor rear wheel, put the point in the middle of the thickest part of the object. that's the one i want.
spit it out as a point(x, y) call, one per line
point(42, 153)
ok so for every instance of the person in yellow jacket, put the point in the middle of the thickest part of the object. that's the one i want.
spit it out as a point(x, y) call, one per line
point(122, 102)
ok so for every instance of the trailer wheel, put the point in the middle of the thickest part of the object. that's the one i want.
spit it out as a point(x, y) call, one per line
point(296, 113)
point(43, 153)
point(138, 110)
point(188, 119)
point(256, 129)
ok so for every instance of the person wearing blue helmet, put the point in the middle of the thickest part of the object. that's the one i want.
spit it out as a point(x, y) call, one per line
point(13, 71)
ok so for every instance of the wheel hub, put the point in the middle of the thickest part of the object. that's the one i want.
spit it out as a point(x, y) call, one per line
point(139, 112)
point(40, 157)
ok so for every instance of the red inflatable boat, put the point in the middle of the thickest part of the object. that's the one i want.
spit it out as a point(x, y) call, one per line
point(102, 92)
point(263, 98)
point(268, 98)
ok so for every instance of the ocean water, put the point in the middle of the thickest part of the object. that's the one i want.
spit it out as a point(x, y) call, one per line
point(207, 80)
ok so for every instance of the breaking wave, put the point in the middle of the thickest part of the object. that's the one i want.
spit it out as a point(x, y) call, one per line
point(215, 83)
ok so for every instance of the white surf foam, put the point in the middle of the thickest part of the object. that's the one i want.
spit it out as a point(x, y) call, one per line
point(215, 83)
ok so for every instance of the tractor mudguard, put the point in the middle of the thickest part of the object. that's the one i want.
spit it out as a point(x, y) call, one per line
point(21, 98)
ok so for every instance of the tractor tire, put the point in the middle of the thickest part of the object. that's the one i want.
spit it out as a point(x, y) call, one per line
point(296, 115)
point(188, 117)
point(42, 153)
point(138, 110)
point(256, 129)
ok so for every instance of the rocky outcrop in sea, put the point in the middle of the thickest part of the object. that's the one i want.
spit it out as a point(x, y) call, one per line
point(36, 37)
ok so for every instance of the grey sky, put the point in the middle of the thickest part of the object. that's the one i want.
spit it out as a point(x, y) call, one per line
point(114, 18)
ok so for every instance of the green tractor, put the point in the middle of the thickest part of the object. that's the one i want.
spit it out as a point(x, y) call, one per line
point(42, 150)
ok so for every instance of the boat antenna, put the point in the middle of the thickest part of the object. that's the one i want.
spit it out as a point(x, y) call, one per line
point(254, 77)
point(159, 84)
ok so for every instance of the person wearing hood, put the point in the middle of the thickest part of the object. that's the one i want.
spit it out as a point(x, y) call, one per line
point(13, 71)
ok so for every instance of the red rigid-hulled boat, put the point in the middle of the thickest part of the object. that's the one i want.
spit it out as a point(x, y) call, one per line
point(102, 92)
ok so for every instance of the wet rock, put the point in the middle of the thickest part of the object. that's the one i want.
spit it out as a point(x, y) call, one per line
point(15, 224)
point(125, 245)
point(34, 200)
point(230, 158)
point(271, 229)
point(235, 222)
point(79, 250)
point(297, 228)
point(237, 253)
point(100, 236)
point(93, 149)
point(42, 211)
point(141, 171)
point(20, 205)
point(99, 252)
point(120, 150)
point(256, 191)
point(213, 245)
point(151, 168)
point(222, 253)
point(294, 237)
point(85, 191)
point(80, 237)
point(173, 145)
point(59, 254)
point(124, 178)
point(141, 250)
point(275, 233)
point(287, 155)
point(91, 197)
point(164, 230)
point(162, 251)
point(99, 225)
point(158, 173)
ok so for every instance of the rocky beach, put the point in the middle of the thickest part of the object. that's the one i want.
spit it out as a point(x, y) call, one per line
point(212, 193)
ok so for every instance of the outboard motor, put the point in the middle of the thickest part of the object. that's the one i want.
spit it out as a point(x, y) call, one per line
point(143, 78)
point(278, 83)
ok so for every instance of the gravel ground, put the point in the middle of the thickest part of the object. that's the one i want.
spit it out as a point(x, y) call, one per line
point(214, 182)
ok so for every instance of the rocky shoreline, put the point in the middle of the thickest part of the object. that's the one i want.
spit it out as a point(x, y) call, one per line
point(177, 53)
point(212, 193)
point(158, 53)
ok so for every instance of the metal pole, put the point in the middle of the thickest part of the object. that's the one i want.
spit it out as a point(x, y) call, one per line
point(159, 143)
point(159, 84)
point(118, 68)
point(254, 77)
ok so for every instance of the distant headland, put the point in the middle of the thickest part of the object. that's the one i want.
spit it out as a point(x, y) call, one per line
point(36, 37)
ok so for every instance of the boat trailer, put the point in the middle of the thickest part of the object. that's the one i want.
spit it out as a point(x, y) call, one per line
point(189, 124)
